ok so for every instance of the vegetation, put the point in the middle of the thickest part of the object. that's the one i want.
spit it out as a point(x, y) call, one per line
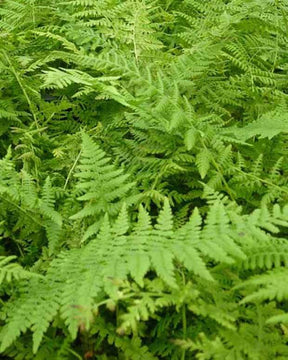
point(144, 179)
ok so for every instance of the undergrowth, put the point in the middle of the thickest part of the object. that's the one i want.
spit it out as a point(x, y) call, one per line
point(143, 179)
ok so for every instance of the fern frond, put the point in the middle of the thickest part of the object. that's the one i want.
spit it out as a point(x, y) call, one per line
point(103, 184)
point(12, 271)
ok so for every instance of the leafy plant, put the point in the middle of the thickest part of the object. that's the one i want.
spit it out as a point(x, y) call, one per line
point(143, 180)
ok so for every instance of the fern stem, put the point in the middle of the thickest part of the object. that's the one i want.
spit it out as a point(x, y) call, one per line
point(22, 87)
point(72, 169)
point(157, 177)
point(19, 248)
point(75, 354)
point(22, 210)
point(264, 181)
point(277, 43)
point(134, 38)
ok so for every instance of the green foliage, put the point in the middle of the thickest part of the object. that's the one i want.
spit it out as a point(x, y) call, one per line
point(143, 179)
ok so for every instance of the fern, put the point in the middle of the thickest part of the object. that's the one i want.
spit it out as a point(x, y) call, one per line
point(12, 271)
point(143, 181)
point(104, 186)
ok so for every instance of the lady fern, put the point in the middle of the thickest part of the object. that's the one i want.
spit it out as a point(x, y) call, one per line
point(143, 181)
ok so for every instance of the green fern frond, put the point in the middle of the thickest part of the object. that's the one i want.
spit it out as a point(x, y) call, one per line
point(12, 271)
point(103, 184)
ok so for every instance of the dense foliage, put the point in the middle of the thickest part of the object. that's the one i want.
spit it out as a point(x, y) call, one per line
point(143, 179)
